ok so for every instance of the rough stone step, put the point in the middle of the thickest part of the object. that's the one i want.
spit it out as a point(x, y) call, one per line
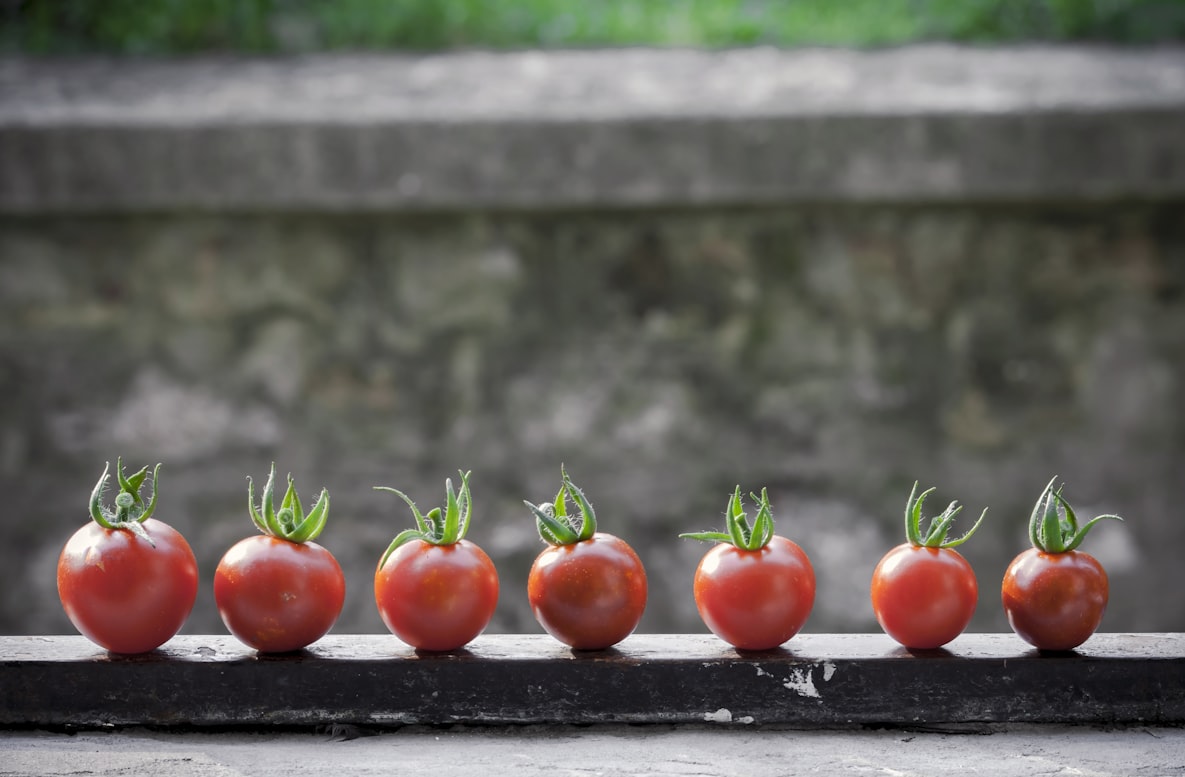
point(599, 129)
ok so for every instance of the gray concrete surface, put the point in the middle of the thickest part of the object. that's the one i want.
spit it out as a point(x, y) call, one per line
point(591, 128)
point(611, 750)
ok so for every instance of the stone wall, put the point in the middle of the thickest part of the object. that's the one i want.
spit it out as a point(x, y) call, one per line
point(814, 288)
point(832, 354)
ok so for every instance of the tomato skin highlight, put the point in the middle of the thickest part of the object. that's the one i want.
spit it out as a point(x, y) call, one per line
point(436, 597)
point(122, 593)
point(589, 595)
point(1055, 601)
point(755, 599)
point(923, 597)
point(278, 596)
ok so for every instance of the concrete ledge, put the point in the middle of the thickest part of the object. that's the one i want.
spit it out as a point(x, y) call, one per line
point(592, 129)
point(372, 680)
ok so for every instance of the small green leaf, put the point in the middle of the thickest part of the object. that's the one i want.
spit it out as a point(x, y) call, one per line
point(289, 522)
point(256, 518)
point(446, 526)
point(401, 539)
point(96, 507)
point(560, 505)
point(707, 536)
point(465, 504)
point(148, 511)
point(310, 527)
point(1050, 531)
point(291, 502)
point(553, 531)
point(588, 524)
point(269, 507)
point(939, 526)
point(739, 533)
point(1051, 526)
point(763, 524)
point(421, 523)
point(451, 526)
point(935, 536)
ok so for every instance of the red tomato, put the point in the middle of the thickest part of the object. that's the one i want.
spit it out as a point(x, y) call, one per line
point(923, 591)
point(1054, 595)
point(278, 596)
point(436, 597)
point(923, 597)
point(124, 594)
point(755, 599)
point(589, 594)
point(1054, 601)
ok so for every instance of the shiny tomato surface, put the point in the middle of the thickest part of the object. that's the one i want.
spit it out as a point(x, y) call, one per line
point(755, 599)
point(923, 597)
point(1055, 601)
point(589, 595)
point(436, 597)
point(278, 596)
point(124, 594)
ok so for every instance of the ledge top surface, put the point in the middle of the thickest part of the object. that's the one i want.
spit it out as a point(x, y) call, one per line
point(589, 84)
point(804, 648)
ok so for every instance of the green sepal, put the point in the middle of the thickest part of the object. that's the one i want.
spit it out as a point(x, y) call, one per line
point(289, 522)
point(740, 533)
point(1053, 525)
point(936, 534)
point(553, 522)
point(130, 511)
point(551, 529)
point(312, 524)
point(438, 527)
point(588, 517)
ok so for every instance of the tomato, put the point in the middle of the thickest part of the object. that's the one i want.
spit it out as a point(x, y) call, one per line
point(587, 589)
point(755, 589)
point(278, 596)
point(121, 592)
point(755, 599)
point(924, 597)
point(923, 591)
point(436, 590)
point(1054, 601)
point(280, 591)
point(1054, 595)
point(126, 580)
point(436, 597)
point(590, 594)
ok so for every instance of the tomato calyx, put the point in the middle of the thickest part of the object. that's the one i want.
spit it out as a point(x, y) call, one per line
point(289, 522)
point(1053, 527)
point(447, 527)
point(935, 535)
point(740, 533)
point(555, 525)
point(130, 510)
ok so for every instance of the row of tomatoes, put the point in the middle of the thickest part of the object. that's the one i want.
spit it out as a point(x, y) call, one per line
point(128, 581)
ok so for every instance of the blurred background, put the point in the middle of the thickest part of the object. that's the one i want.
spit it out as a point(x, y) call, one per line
point(833, 349)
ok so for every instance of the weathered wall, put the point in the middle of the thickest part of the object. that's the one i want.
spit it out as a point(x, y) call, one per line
point(833, 354)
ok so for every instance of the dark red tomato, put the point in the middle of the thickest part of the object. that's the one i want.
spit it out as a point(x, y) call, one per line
point(124, 594)
point(755, 599)
point(278, 596)
point(1055, 601)
point(436, 597)
point(923, 597)
point(590, 594)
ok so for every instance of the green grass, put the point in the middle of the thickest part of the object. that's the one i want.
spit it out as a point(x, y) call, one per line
point(184, 26)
